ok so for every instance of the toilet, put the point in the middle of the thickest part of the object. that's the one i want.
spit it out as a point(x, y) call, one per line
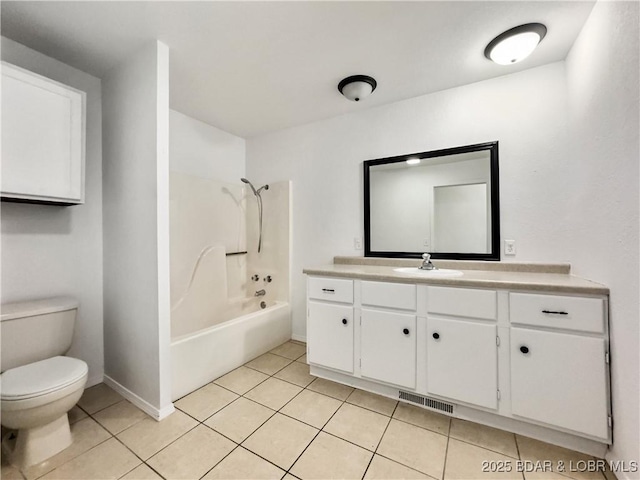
point(38, 385)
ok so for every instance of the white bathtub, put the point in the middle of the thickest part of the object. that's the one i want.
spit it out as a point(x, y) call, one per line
point(200, 357)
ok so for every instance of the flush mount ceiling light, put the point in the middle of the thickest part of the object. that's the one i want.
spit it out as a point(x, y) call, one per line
point(357, 87)
point(515, 44)
point(413, 161)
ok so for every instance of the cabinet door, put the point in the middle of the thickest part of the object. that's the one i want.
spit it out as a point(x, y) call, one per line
point(42, 138)
point(330, 336)
point(559, 379)
point(462, 361)
point(388, 347)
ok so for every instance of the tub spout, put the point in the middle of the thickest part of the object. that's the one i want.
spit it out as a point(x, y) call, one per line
point(260, 293)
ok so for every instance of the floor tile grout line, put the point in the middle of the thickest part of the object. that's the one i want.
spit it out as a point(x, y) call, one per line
point(170, 443)
point(446, 452)
point(316, 435)
point(237, 446)
point(380, 441)
point(406, 466)
point(370, 409)
point(72, 458)
point(263, 458)
point(467, 442)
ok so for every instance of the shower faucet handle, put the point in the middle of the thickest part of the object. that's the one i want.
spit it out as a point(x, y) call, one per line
point(268, 279)
point(255, 278)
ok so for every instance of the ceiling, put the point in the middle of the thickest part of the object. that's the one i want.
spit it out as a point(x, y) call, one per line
point(254, 67)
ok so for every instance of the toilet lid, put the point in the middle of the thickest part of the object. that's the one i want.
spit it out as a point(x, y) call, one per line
point(40, 378)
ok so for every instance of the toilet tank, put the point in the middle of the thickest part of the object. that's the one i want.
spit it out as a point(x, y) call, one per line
point(35, 330)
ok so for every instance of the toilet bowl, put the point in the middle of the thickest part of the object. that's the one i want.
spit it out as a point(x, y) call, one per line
point(35, 400)
point(40, 385)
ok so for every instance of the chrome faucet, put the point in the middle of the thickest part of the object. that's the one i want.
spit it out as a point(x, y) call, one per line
point(260, 293)
point(426, 262)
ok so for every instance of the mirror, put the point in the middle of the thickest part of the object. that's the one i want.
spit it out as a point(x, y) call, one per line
point(443, 202)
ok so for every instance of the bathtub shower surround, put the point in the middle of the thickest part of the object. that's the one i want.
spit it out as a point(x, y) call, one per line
point(229, 303)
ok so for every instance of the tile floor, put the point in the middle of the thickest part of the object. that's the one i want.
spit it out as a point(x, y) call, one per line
point(271, 419)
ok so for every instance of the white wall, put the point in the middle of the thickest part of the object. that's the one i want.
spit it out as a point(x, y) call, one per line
point(602, 193)
point(568, 175)
point(525, 112)
point(136, 227)
point(49, 250)
point(202, 150)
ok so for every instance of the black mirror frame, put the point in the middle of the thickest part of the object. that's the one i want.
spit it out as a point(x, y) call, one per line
point(493, 255)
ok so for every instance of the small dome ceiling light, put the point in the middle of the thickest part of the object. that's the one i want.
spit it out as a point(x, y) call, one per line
point(515, 44)
point(357, 87)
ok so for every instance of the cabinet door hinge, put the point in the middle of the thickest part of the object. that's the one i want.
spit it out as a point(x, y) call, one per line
point(497, 341)
point(610, 420)
point(498, 394)
point(606, 357)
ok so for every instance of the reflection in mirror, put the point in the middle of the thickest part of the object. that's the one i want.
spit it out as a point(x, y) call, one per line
point(443, 202)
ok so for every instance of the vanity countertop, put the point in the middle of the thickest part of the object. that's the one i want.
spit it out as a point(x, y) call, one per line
point(551, 278)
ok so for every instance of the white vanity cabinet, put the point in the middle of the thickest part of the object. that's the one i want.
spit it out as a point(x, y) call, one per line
point(43, 139)
point(535, 363)
point(330, 325)
point(462, 350)
point(559, 373)
point(388, 333)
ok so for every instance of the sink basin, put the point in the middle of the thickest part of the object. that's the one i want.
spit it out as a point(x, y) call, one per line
point(439, 273)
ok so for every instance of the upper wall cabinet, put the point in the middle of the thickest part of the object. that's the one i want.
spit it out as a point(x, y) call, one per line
point(43, 139)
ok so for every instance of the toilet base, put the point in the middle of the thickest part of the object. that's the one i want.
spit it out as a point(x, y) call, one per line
point(35, 445)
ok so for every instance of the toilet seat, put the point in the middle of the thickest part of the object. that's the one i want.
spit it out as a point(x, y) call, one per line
point(41, 382)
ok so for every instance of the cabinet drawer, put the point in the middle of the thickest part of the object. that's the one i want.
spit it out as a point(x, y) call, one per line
point(331, 289)
point(392, 295)
point(462, 302)
point(556, 311)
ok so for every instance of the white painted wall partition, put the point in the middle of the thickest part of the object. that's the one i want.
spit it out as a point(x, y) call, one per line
point(602, 185)
point(49, 250)
point(136, 229)
point(568, 136)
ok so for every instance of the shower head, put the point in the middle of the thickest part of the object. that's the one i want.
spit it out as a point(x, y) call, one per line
point(244, 180)
point(255, 192)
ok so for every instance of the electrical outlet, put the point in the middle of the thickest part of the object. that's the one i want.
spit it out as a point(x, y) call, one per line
point(426, 243)
point(509, 247)
point(357, 243)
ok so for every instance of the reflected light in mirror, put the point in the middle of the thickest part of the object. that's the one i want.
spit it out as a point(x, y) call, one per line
point(413, 161)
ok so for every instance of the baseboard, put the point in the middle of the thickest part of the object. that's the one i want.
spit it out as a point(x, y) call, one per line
point(299, 338)
point(146, 407)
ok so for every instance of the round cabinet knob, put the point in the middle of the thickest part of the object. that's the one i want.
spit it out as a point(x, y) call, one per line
point(436, 335)
point(405, 331)
point(344, 321)
point(524, 349)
